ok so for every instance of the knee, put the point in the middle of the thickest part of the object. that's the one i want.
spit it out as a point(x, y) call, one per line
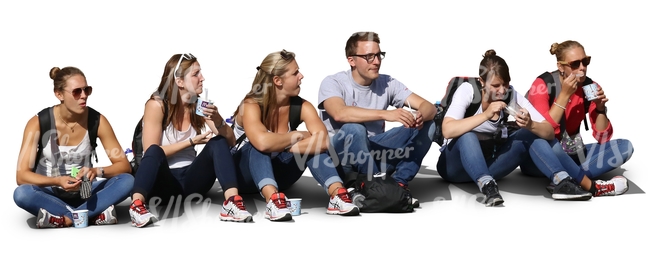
point(217, 142)
point(353, 129)
point(22, 194)
point(155, 151)
point(626, 144)
point(466, 138)
point(124, 178)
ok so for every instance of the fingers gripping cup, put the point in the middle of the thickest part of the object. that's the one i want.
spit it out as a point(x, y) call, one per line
point(294, 206)
point(591, 91)
point(80, 218)
point(200, 104)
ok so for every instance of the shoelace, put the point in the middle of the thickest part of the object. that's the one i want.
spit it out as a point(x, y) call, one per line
point(345, 197)
point(139, 208)
point(57, 221)
point(604, 187)
point(239, 204)
point(280, 202)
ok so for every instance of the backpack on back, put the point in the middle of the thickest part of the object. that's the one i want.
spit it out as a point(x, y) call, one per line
point(45, 126)
point(136, 143)
point(554, 91)
point(444, 104)
point(294, 117)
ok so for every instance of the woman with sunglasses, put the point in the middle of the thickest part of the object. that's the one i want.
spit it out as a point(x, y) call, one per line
point(170, 166)
point(273, 156)
point(48, 187)
point(480, 148)
point(567, 109)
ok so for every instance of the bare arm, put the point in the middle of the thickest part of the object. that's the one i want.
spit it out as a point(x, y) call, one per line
point(426, 108)
point(27, 157)
point(119, 163)
point(152, 128)
point(318, 140)
point(335, 107)
point(259, 136)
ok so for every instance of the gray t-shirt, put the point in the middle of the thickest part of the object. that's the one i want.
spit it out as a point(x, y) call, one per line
point(383, 91)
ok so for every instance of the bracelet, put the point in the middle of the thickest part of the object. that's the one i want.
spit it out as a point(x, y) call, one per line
point(554, 103)
point(191, 142)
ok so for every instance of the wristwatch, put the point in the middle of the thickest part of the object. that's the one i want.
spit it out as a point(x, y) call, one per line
point(601, 111)
point(223, 123)
point(100, 172)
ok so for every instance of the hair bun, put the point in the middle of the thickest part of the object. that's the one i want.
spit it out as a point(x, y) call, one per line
point(489, 53)
point(53, 72)
point(554, 47)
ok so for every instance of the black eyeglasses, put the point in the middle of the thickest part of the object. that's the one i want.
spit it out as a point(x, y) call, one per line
point(371, 57)
point(76, 93)
point(576, 63)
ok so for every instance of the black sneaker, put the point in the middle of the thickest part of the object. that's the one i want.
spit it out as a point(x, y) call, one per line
point(569, 190)
point(492, 196)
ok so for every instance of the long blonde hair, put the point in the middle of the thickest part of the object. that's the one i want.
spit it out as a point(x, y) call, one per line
point(263, 88)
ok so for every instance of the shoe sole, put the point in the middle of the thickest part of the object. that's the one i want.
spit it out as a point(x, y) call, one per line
point(353, 212)
point(286, 217)
point(571, 197)
point(495, 202)
point(149, 222)
point(232, 219)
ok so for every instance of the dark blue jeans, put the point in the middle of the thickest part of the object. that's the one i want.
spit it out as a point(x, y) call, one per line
point(258, 169)
point(104, 193)
point(155, 179)
point(595, 160)
point(398, 151)
point(463, 160)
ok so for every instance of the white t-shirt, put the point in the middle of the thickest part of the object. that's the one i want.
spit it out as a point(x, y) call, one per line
point(463, 98)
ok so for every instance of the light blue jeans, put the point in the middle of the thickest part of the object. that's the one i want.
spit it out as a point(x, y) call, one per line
point(595, 160)
point(398, 151)
point(462, 160)
point(258, 169)
point(104, 193)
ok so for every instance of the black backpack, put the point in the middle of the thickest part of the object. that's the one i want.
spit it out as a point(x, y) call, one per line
point(45, 125)
point(383, 194)
point(446, 102)
point(554, 90)
point(136, 143)
point(294, 117)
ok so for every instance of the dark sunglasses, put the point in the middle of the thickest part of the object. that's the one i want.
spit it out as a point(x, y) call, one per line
point(371, 57)
point(576, 63)
point(76, 93)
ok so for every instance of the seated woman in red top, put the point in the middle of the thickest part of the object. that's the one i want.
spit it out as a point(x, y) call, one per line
point(564, 105)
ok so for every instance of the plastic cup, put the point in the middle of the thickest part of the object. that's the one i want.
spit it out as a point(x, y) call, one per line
point(200, 104)
point(591, 91)
point(294, 206)
point(80, 218)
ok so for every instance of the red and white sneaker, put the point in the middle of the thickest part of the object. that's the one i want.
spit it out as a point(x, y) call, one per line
point(47, 220)
point(233, 209)
point(140, 216)
point(108, 217)
point(341, 204)
point(615, 186)
point(276, 208)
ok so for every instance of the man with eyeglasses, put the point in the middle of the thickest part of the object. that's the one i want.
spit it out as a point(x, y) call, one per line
point(354, 107)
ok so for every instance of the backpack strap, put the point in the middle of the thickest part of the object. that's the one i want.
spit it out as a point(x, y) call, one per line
point(44, 126)
point(551, 78)
point(294, 112)
point(476, 101)
point(93, 128)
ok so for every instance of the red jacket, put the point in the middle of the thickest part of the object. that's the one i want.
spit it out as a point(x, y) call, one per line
point(574, 113)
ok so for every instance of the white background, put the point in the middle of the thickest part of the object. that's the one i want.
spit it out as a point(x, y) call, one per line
point(122, 47)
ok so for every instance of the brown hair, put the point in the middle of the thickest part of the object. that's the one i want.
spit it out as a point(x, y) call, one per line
point(559, 49)
point(263, 89)
point(493, 65)
point(176, 109)
point(352, 43)
point(60, 76)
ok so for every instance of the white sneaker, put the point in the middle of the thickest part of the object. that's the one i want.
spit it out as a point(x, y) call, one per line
point(341, 204)
point(615, 186)
point(276, 208)
point(107, 217)
point(140, 216)
point(47, 220)
point(233, 209)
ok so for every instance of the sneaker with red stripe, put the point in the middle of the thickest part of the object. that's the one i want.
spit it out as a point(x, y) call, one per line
point(341, 204)
point(233, 209)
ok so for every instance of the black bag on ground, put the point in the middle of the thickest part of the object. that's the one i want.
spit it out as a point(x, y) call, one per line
point(382, 194)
